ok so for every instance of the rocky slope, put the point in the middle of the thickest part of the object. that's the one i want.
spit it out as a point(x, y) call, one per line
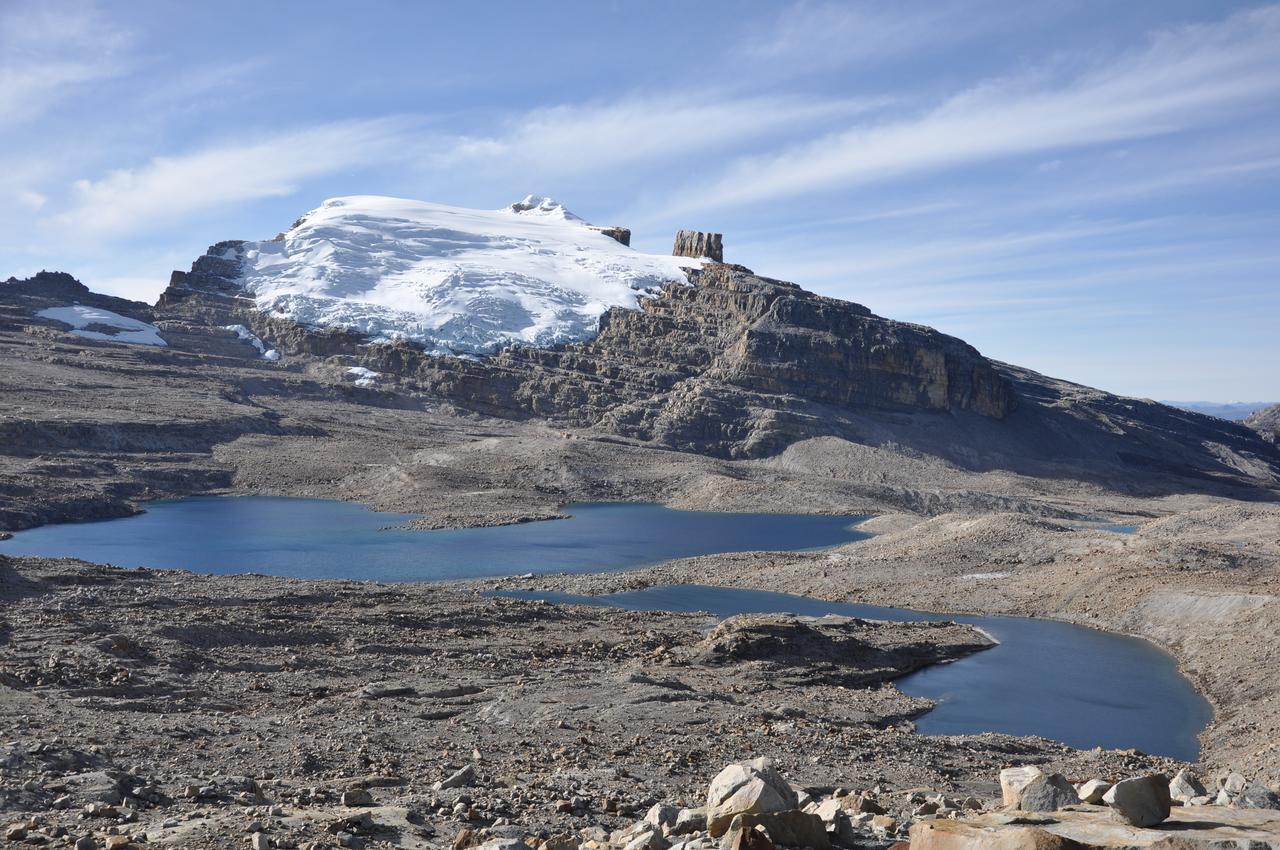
point(738, 365)
point(1266, 422)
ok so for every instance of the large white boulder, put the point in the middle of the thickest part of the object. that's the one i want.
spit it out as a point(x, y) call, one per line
point(1141, 801)
point(1014, 779)
point(749, 788)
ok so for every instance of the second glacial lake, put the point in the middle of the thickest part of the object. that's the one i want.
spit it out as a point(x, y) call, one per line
point(326, 539)
point(1081, 686)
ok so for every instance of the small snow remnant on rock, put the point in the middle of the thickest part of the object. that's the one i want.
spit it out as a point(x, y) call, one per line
point(251, 338)
point(97, 323)
point(363, 377)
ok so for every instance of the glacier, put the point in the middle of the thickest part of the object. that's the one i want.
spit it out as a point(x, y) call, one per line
point(458, 281)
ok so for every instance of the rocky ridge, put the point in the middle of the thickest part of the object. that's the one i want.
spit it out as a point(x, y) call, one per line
point(738, 365)
point(1266, 422)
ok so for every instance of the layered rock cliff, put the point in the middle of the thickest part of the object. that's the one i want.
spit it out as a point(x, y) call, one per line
point(732, 364)
point(738, 365)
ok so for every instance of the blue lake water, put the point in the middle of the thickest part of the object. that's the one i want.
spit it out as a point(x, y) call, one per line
point(321, 539)
point(1081, 686)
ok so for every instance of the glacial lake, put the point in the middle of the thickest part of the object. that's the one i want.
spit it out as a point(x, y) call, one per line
point(1077, 685)
point(327, 539)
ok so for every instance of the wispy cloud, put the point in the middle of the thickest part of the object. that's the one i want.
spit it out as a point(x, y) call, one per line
point(585, 138)
point(52, 50)
point(169, 189)
point(1185, 78)
point(816, 36)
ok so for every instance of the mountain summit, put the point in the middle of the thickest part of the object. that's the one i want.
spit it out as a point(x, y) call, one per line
point(456, 281)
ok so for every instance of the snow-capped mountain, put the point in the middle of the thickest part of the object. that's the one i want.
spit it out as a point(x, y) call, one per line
point(457, 280)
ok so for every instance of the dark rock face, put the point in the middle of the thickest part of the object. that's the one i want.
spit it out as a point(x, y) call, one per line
point(216, 272)
point(693, 243)
point(1266, 422)
point(618, 234)
point(718, 366)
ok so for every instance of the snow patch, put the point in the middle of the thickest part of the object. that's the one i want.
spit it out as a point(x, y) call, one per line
point(119, 328)
point(458, 281)
point(252, 338)
point(363, 377)
point(985, 576)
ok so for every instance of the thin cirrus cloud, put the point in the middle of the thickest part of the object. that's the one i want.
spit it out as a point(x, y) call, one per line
point(574, 139)
point(169, 189)
point(1185, 78)
point(550, 143)
point(809, 36)
point(53, 50)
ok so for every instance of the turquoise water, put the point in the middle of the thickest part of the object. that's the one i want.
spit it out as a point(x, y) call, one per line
point(317, 538)
point(1081, 686)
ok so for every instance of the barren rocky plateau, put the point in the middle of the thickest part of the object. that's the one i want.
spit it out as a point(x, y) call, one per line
point(167, 708)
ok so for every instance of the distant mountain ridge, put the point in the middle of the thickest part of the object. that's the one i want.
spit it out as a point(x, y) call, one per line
point(1232, 411)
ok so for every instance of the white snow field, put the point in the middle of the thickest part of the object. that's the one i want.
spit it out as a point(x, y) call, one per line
point(459, 281)
point(126, 329)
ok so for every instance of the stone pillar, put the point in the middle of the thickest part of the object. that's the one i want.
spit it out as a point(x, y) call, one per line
point(695, 243)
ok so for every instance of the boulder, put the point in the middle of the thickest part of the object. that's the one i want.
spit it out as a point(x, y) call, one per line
point(1258, 796)
point(860, 804)
point(1186, 786)
point(662, 815)
point(357, 797)
point(1141, 801)
point(1013, 780)
point(1234, 783)
point(749, 788)
point(829, 809)
point(689, 820)
point(465, 776)
point(1047, 793)
point(651, 839)
point(1093, 791)
point(789, 829)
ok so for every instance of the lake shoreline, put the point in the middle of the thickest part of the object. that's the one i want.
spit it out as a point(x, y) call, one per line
point(178, 679)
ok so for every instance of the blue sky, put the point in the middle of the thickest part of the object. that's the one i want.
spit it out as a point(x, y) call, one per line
point(1086, 189)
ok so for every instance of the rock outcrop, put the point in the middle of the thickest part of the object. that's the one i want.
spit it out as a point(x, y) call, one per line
point(695, 243)
point(55, 289)
point(737, 365)
point(1207, 827)
point(1266, 422)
